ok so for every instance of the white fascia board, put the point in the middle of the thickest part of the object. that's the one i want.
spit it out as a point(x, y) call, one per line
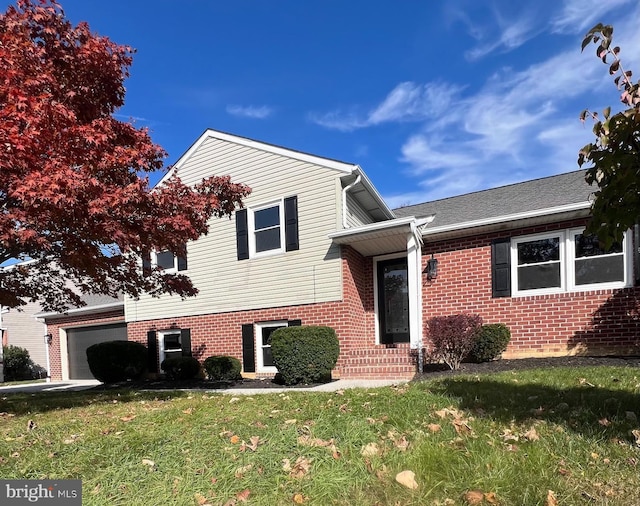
point(347, 168)
point(102, 308)
point(374, 192)
point(373, 227)
point(506, 218)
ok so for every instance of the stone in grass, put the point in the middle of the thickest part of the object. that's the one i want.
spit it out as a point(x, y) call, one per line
point(407, 479)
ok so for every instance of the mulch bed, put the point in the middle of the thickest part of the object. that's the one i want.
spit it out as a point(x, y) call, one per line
point(431, 371)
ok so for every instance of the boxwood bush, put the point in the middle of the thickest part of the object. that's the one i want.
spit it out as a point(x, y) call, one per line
point(490, 342)
point(222, 368)
point(304, 354)
point(114, 361)
point(180, 368)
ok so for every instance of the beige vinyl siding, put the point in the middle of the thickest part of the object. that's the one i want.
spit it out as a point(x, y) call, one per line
point(311, 274)
point(23, 330)
point(356, 215)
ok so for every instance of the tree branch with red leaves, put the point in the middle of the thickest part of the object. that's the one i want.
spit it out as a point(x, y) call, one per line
point(71, 198)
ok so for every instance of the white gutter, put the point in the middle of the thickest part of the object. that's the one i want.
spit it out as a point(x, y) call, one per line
point(344, 200)
point(509, 217)
point(373, 227)
point(86, 309)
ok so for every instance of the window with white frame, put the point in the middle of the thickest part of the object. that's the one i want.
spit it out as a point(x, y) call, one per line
point(266, 231)
point(263, 344)
point(168, 261)
point(566, 260)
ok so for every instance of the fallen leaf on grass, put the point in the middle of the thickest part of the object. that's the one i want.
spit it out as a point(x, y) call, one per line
point(583, 381)
point(636, 434)
point(604, 422)
point(474, 497)
point(234, 439)
point(71, 439)
point(244, 495)
point(188, 411)
point(407, 479)
point(254, 441)
point(31, 425)
point(298, 498)
point(201, 500)
point(241, 471)
point(300, 468)
point(127, 418)
point(551, 499)
point(434, 427)
point(490, 497)
point(314, 441)
point(401, 444)
point(149, 463)
point(290, 422)
point(96, 489)
point(370, 450)
point(462, 427)
point(532, 434)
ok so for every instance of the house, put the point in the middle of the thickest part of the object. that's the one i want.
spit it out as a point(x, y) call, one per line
point(317, 245)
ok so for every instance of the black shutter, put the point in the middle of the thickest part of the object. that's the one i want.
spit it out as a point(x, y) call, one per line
point(242, 234)
point(152, 351)
point(182, 259)
point(248, 348)
point(501, 268)
point(291, 223)
point(146, 263)
point(295, 323)
point(185, 342)
point(636, 253)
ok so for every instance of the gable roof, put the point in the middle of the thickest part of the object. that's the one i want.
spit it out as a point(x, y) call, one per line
point(563, 192)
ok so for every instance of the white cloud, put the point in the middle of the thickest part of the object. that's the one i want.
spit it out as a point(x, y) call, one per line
point(578, 16)
point(408, 101)
point(511, 35)
point(250, 111)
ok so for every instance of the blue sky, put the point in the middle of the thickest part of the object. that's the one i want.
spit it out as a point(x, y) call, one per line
point(431, 98)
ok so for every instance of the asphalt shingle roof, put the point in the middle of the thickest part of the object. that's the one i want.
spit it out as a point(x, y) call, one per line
point(552, 191)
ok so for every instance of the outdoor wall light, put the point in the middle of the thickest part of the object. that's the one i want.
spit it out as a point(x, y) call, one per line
point(48, 338)
point(432, 268)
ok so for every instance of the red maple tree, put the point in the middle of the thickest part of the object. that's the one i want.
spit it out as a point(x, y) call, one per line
point(72, 200)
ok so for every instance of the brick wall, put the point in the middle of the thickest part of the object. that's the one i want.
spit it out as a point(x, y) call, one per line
point(594, 322)
point(54, 326)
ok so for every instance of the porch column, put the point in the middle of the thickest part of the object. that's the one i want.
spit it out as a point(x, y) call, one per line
point(414, 273)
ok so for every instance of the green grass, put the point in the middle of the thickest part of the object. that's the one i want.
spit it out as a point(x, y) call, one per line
point(516, 435)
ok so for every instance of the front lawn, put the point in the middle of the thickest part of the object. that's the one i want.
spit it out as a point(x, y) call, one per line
point(567, 436)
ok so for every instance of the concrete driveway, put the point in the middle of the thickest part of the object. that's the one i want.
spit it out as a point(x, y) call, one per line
point(53, 386)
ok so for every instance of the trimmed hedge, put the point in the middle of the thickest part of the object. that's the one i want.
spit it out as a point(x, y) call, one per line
point(304, 354)
point(180, 368)
point(114, 361)
point(490, 342)
point(17, 363)
point(222, 368)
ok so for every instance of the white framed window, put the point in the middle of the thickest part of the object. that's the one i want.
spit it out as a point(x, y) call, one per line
point(169, 262)
point(566, 260)
point(169, 344)
point(590, 267)
point(264, 359)
point(266, 229)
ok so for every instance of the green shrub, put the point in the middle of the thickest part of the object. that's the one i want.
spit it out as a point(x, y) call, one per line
point(180, 368)
point(452, 337)
point(114, 361)
point(222, 368)
point(304, 354)
point(490, 342)
point(17, 364)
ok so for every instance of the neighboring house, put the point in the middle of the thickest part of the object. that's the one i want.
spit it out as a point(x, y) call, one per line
point(20, 328)
point(317, 245)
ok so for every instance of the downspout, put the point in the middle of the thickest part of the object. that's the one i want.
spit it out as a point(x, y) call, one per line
point(344, 200)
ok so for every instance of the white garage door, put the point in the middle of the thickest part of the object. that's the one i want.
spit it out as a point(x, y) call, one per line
point(79, 339)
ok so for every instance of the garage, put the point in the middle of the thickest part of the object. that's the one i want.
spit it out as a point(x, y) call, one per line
point(79, 339)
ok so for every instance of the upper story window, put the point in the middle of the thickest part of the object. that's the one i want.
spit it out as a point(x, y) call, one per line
point(567, 260)
point(164, 260)
point(267, 229)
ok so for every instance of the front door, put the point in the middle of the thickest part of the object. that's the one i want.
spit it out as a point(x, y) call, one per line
point(393, 301)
